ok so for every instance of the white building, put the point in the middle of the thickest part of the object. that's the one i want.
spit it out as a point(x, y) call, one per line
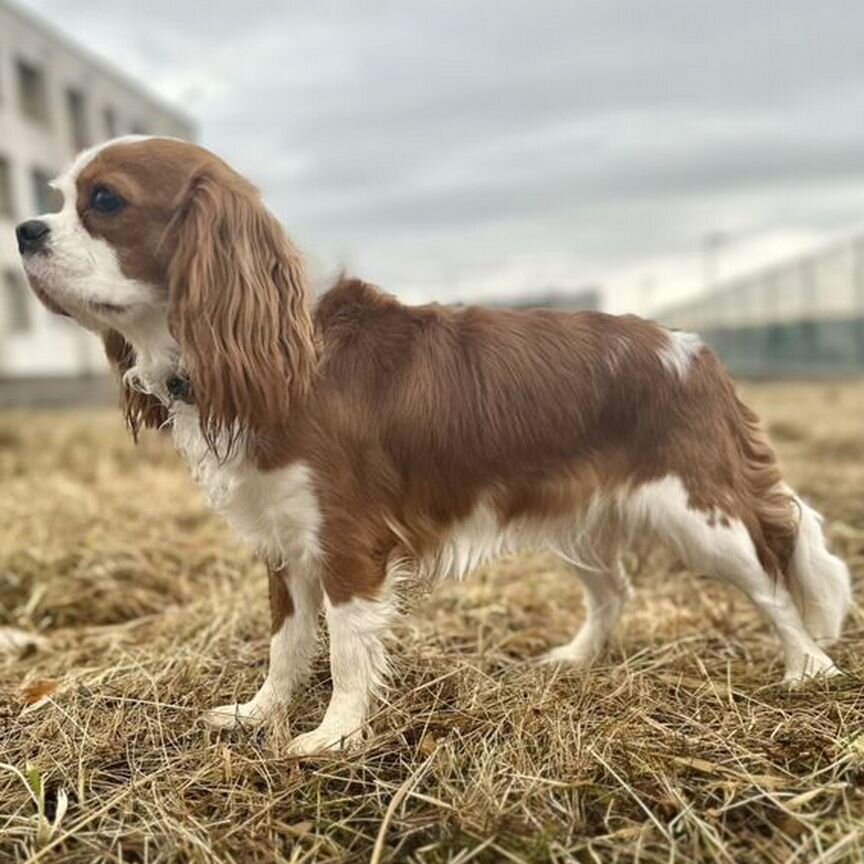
point(55, 99)
point(801, 316)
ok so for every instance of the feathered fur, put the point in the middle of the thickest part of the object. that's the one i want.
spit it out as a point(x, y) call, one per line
point(238, 312)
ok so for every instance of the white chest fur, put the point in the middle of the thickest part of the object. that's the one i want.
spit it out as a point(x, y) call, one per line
point(274, 513)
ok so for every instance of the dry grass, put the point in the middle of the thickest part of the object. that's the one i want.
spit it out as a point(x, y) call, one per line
point(679, 747)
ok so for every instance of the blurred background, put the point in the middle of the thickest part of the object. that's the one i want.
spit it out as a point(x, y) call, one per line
point(699, 163)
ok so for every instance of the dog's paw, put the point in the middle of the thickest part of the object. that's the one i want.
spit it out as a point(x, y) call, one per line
point(570, 656)
point(812, 669)
point(247, 715)
point(325, 739)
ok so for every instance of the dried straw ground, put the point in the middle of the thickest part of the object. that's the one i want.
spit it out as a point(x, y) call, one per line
point(678, 747)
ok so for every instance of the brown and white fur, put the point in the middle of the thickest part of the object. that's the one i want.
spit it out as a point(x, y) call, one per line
point(353, 439)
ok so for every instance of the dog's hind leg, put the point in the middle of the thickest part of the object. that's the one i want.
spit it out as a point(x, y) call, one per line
point(724, 549)
point(819, 581)
point(607, 590)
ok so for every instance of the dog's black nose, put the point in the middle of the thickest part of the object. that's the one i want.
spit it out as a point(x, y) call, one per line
point(32, 235)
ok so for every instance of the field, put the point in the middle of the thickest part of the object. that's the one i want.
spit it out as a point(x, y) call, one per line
point(680, 746)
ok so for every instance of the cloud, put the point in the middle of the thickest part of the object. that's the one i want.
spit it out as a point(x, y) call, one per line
point(480, 147)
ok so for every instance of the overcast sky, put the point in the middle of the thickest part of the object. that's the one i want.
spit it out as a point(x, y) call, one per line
point(464, 149)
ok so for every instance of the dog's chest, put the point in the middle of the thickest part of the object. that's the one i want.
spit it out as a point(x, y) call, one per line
point(274, 513)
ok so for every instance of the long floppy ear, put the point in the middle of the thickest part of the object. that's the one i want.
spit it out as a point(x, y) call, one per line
point(142, 410)
point(238, 311)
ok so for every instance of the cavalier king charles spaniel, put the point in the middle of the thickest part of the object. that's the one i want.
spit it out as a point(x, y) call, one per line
point(351, 440)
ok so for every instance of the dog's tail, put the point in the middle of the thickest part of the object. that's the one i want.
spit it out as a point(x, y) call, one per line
point(788, 537)
point(771, 514)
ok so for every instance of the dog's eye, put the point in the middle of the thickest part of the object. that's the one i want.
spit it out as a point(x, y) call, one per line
point(106, 202)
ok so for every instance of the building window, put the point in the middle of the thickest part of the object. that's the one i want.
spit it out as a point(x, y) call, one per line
point(32, 92)
point(109, 120)
point(17, 302)
point(7, 204)
point(46, 199)
point(77, 108)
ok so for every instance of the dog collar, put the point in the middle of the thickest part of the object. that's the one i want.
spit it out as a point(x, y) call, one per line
point(179, 387)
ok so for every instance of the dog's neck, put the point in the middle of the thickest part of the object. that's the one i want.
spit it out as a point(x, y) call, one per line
point(157, 355)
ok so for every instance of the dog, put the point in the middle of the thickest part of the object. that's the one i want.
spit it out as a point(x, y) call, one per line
point(354, 440)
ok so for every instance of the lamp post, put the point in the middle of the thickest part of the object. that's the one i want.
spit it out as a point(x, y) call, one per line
point(712, 243)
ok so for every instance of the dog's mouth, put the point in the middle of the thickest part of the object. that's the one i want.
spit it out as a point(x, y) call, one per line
point(111, 308)
point(49, 300)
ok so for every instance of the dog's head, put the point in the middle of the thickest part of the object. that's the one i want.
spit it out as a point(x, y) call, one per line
point(160, 243)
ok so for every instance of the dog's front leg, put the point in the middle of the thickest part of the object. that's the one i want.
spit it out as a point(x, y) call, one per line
point(358, 625)
point(295, 598)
